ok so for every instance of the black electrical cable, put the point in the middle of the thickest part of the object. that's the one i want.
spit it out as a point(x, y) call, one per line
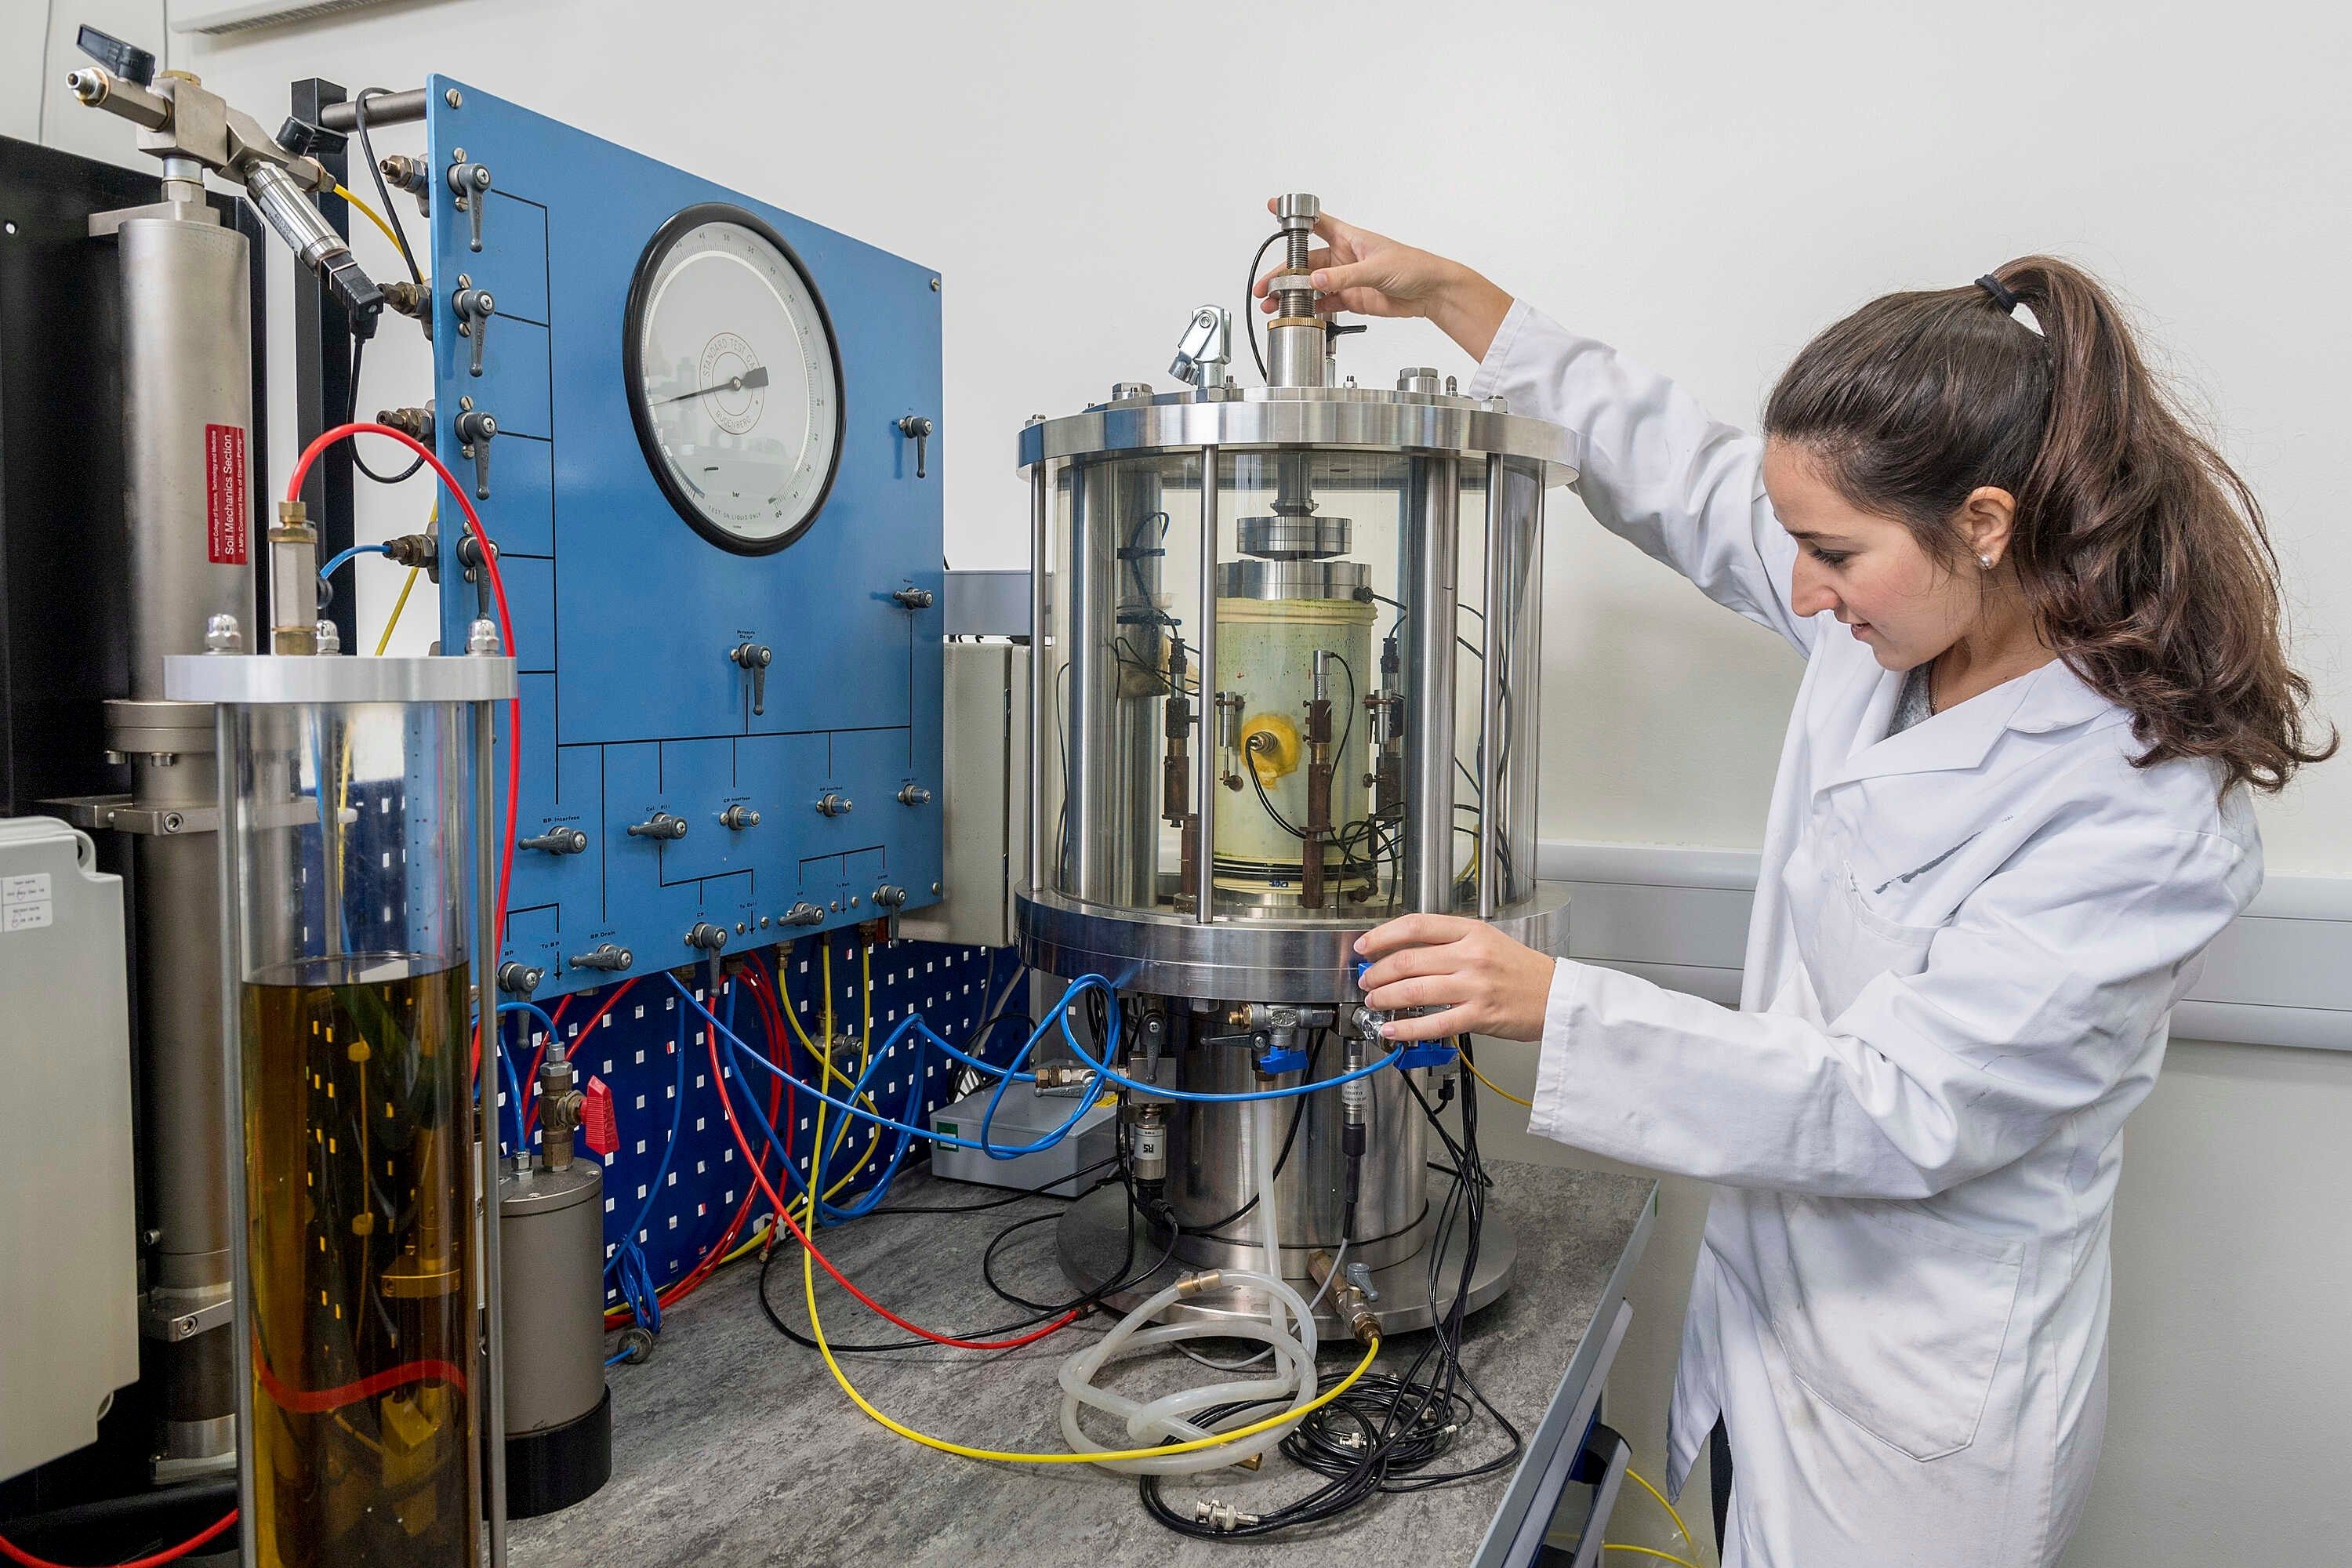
point(352, 415)
point(1040, 1312)
point(1249, 301)
point(1346, 731)
point(1010, 1198)
point(1382, 1434)
point(1162, 1215)
point(407, 257)
point(1249, 764)
point(382, 191)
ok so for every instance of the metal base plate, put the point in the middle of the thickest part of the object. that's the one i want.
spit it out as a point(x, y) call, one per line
point(1093, 1242)
point(1234, 959)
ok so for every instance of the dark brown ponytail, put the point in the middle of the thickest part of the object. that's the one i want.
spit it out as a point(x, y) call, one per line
point(2142, 553)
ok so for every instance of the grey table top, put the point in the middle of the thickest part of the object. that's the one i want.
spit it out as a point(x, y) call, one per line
point(732, 1446)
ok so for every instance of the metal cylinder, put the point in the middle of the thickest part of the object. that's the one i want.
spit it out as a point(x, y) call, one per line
point(1204, 640)
point(559, 1428)
point(314, 239)
point(187, 415)
point(1041, 677)
point(1432, 556)
point(1095, 865)
point(347, 837)
point(1142, 643)
point(383, 108)
point(1294, 355)
point(187, 348)
point(1209, 1163)
point(550, 1262)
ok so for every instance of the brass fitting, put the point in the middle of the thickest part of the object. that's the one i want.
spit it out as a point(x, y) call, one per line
point(1347, 1299)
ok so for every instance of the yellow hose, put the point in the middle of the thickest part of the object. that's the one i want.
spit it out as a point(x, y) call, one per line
point(398, 604)
point(816, 1328)
point(374, 217)
point(1682, 1528)
point(1514, 1100)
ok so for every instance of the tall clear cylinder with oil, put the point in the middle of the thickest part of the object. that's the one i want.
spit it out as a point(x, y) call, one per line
point(352, 861)
point(1288, 689)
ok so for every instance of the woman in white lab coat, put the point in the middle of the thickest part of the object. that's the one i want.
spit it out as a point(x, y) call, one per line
point(2040, 624)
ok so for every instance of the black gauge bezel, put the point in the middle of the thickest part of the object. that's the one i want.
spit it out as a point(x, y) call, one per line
point(657, 249)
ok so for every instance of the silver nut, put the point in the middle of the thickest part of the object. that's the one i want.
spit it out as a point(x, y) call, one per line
point(482, 637)
point(453, 98)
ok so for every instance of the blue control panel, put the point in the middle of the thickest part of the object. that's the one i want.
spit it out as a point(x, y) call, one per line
point(628, 620)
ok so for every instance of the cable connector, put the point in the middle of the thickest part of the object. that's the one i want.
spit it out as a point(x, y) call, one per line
point(1221, 1517)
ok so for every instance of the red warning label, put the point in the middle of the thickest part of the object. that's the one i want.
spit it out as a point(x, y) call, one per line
point(225, 511)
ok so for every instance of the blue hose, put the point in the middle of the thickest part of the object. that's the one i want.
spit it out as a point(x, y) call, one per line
point(335, 561)
point(737, 1045)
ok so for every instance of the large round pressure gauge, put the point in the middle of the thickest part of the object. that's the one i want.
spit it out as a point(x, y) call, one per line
point(734, 380)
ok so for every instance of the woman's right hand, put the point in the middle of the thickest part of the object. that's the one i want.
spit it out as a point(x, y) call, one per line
point(1372, 275)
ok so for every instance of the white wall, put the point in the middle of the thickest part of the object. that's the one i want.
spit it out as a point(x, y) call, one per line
point(1705, 185)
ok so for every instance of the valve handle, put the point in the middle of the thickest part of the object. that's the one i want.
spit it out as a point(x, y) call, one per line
point(918, 429)
point(475, 307)
point(127, 61)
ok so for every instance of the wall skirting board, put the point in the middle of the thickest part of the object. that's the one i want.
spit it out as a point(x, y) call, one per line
point(2280, 976)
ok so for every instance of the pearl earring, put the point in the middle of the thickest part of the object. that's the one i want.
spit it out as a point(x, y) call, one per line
point(1985, 562)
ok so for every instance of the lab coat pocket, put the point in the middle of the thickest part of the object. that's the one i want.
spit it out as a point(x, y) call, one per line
point(1851, 945)
point(1896, 1320)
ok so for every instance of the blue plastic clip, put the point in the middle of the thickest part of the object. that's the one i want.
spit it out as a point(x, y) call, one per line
point(1361, 965)
point(1426, 1054)
point(1273, 1062)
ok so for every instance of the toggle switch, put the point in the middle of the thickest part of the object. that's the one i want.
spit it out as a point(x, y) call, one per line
point(604, 956)
point(556, 841)
point(739, 817)
point(833, 804)
point(660, 825)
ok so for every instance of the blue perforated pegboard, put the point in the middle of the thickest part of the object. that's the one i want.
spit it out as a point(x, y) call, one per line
point(632, 1049)
point(624, 614)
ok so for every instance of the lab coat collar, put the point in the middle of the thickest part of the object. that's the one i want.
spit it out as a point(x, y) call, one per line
point(2050, 697)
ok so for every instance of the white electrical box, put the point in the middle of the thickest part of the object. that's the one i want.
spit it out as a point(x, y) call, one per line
point(68, 1288)
point(983, 795)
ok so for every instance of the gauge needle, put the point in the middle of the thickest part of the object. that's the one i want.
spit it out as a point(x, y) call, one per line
point(755, 376)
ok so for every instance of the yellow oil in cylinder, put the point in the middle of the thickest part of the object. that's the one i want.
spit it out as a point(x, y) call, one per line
point(361, 1187)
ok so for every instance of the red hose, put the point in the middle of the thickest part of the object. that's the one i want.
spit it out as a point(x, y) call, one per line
point(785, 1216)
point(779, 1094)
point(318, 1401)
point(506, 634)
point(529, 1107)
point(25, 1558)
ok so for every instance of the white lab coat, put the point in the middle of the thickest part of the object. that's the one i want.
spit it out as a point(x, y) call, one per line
point(1965, 945)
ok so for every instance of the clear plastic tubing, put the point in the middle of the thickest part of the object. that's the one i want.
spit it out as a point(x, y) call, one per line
point(1292, 1376)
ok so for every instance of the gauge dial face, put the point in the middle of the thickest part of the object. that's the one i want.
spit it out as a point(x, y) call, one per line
point(734, 378)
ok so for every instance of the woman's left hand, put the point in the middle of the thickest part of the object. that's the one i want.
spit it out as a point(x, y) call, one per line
point(1486, 983)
